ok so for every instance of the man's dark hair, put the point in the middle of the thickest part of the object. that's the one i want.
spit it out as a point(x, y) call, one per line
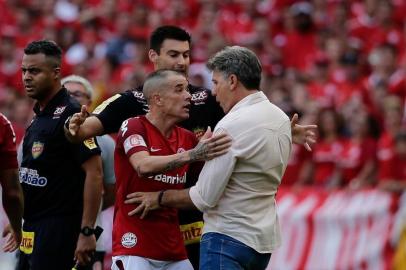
point(47, 47)
point(167, 32)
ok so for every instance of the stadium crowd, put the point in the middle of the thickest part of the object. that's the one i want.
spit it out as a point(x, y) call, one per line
point(340, 64)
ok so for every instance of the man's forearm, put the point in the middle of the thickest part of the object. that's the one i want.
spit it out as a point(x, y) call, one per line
point(177, 199)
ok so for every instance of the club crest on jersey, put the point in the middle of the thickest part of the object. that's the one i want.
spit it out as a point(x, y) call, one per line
point(58, 111)
point(181, 150)
point(199, 97)
point(199, 132)
point(37, 149)
point(90, 143)
point(129, 240)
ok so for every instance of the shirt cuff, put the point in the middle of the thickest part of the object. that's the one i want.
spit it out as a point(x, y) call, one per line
point(197, 199)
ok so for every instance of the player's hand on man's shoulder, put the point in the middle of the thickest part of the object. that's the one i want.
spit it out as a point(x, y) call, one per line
point(211, 146)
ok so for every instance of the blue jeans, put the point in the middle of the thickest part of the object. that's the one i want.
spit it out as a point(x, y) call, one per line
point(222, 252)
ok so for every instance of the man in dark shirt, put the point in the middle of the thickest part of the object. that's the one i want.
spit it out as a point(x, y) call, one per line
point(62, 182)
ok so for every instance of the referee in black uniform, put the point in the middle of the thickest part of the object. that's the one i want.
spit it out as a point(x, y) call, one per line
point(62, 182)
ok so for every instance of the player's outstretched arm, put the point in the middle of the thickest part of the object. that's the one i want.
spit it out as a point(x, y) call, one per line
point(81, 126)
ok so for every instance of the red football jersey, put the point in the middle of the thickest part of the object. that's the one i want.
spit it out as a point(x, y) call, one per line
point(157, 236)
point(8, 154)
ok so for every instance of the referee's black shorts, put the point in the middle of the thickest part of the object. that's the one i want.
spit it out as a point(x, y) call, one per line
point(49, 243)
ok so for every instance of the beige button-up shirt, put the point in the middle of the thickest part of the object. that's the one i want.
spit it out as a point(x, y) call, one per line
point(236, 191)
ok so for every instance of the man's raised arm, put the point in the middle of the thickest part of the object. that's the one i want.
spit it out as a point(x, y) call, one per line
point(81, 126)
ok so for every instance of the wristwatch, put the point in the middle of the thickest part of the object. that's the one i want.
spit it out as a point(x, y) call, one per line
point(87, 231)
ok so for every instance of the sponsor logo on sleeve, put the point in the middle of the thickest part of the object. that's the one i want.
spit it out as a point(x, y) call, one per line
point(90, 143)
point(37, 149)
point(129, 240)
point(133, 141)
point(104, 104)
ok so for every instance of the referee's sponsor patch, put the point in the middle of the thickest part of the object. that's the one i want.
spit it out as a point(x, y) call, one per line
point(133, 141)
point(27, 242)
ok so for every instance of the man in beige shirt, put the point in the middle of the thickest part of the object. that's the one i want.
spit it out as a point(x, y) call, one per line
point(236, 191)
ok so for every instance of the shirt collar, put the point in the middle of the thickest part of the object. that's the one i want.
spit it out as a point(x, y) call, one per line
point(53, 103)
point(249, 100)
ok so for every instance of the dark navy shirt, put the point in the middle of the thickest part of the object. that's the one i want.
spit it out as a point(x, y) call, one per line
point(51, 173)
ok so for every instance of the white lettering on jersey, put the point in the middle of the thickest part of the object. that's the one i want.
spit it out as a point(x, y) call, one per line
point(124, 127)
point(169, 179)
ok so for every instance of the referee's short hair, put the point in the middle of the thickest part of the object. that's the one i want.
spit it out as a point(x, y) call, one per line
point(47, 47)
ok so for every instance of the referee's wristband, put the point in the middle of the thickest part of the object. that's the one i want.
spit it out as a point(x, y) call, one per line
point(160, 195)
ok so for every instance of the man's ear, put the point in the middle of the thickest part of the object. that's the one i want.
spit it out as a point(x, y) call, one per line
point(57, 71)
point(157, 99)
point(152, 55)
point(233, 81)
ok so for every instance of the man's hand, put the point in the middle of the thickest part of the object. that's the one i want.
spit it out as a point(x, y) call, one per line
point(85, 248)
point(210, 146)
point(147, 201)
point(77, 120)
point(303, 134)
point(13, 239)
